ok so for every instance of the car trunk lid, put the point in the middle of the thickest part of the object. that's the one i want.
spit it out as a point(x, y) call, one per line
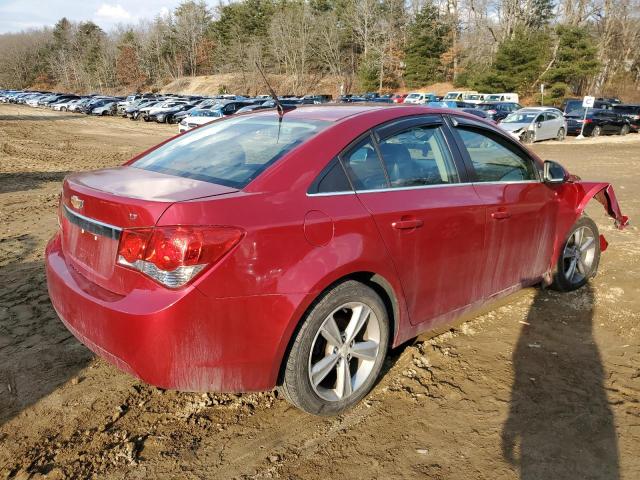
point(97, 206)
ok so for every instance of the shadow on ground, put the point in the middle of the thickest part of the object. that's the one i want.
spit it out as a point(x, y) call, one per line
point(18, 181)
point(560, 425)
point(39, 118)
point(37, 353)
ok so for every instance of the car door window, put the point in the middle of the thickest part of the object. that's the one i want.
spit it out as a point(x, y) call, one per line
point(363, 166)
point(418, 156)
point(494, 160)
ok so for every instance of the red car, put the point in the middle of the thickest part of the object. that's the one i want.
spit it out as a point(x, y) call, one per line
point(399, 97)
point(260, 251)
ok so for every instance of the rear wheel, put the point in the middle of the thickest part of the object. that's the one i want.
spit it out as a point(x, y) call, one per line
point(624, 130)
point(561, 135)
point(338, 352)
point(579, 258)
point(597, 130)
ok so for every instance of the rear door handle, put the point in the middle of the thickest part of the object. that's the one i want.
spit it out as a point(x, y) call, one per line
point(407, 224)
point(500, 215)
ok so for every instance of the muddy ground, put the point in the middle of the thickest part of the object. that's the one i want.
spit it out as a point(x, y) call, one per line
point(546, 386)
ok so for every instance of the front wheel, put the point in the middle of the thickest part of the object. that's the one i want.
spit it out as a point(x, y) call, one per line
point(579, 257)
point(338, 352)
point(624, 130)
point(528, 137)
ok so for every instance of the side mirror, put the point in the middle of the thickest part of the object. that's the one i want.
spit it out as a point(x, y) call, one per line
point(554, 172)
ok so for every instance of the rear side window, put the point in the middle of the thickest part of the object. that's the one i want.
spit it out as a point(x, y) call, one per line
point(230, 152)
point(627, 109)
point(493, 161)
point(333, 179)
point(363, 166)
point(418, 156)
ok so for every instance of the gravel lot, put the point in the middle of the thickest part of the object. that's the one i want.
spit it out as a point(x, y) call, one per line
point(546, 386)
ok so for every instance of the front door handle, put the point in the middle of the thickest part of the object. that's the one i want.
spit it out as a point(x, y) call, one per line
point(501, 215)
point(407, 224)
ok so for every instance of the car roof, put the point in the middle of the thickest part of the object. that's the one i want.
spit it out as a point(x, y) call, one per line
point(332, 113)
point(539, 109)
point(336, 113)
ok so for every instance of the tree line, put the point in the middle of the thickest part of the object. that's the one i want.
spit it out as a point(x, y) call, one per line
point(572, 47)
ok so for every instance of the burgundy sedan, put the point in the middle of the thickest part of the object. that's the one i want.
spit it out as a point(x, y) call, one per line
point(260, 251)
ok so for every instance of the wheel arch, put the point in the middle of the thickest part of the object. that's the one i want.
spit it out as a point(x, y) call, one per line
point(574, 197)
point(375, 281)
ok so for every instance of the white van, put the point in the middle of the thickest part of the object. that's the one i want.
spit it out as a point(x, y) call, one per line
point(502, 97)
point(474, 98)
point(458, 95)
point(420, 97)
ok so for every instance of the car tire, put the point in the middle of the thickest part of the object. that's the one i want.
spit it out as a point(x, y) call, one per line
point(343, 373)
point(596, 131)
point(624, 130)
point(561, 135)
point(528, 137)
point(579, 256)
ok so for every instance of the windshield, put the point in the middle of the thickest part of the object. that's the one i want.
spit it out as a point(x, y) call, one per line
point(230, 152)
point(451, 96)
point(413, 95)
point(521, 117)
point(493, 97)
point(473, 97)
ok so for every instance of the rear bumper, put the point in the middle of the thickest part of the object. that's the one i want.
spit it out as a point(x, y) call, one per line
point(182, 339)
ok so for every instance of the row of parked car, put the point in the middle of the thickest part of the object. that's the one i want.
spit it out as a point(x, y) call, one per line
point(188, 111)
point(530, 124)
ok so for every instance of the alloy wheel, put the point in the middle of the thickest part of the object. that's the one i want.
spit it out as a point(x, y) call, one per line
point(579, 254)
point(344, 351)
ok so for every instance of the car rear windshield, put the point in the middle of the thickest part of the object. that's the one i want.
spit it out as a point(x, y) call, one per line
point(230, 152)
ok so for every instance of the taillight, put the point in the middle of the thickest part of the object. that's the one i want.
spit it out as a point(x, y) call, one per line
point(173, 256)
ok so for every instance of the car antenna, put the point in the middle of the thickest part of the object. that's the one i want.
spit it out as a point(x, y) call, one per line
point(279, 106)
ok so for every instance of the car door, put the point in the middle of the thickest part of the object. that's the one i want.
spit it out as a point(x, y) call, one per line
point(520, 208)
point(428, 216)
point(550, 125)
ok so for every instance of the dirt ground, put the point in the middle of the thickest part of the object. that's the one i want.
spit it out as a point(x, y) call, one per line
point(546, 386)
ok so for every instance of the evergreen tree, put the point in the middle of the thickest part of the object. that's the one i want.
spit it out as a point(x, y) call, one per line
point(519, 62)
point(429, 38)
point(574, 64)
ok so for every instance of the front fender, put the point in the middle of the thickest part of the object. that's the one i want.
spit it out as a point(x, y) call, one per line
point(573, 197)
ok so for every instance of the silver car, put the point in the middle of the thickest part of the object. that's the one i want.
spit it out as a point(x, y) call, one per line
point(533, 124)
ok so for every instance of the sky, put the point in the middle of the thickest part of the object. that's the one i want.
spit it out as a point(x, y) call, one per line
point(17, 15)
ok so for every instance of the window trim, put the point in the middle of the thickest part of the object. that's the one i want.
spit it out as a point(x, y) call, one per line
point(500, 138)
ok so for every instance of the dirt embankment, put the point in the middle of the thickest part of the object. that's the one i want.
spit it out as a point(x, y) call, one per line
point(545, 387)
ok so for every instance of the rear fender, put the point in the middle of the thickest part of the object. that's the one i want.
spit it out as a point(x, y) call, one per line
point(573, 197)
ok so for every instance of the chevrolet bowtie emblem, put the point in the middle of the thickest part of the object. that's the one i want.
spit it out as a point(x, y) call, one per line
point(77, 202)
